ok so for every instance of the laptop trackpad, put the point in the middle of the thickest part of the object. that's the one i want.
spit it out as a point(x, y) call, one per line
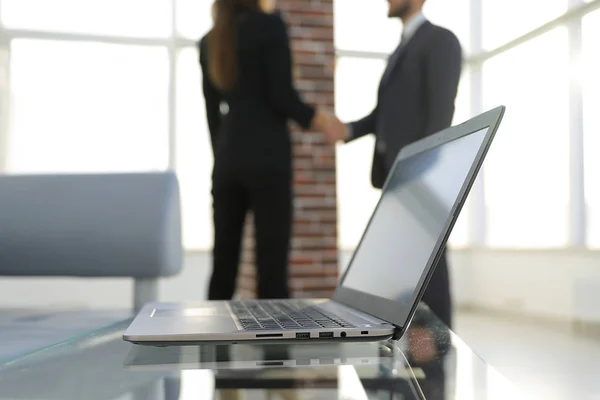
point(193, 312)
point(206, 318)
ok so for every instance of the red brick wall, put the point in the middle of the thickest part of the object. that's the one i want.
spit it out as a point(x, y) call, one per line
point(313, 261)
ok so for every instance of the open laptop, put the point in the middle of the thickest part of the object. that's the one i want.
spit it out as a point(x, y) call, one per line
point(378, 294)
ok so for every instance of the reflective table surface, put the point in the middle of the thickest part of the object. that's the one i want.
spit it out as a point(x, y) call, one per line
point(429, 362)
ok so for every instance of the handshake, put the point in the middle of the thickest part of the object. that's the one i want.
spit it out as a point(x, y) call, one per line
point(331, 126)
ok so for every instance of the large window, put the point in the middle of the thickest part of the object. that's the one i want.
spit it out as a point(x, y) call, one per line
point(193, 17)
point(87, 107)
point(531, 148)
point(508, 19)
point(89, 87)
point(137, 18)
point(114, 85)
point(194, 154)
point(355, 99)
point(364, 26)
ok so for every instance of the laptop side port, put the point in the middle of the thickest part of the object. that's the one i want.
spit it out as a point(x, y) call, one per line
point(303, 335)
point(269, 335)
point(325, 334)
point(270, 363)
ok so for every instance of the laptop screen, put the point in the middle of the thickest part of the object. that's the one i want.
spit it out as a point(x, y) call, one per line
point(414, 209)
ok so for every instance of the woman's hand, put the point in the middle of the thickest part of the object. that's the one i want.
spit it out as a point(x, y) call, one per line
point(330, 125)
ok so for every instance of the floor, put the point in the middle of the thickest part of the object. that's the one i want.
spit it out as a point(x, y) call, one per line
point(544, 361)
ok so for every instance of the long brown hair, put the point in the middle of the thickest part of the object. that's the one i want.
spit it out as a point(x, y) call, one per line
point(222, 66)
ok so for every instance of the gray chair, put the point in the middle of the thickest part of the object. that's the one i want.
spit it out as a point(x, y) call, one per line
point(92, 225)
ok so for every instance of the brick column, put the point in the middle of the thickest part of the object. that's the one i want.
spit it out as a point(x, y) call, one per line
point(313, 258)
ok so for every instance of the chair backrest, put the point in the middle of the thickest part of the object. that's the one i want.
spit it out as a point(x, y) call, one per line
point(90, 225)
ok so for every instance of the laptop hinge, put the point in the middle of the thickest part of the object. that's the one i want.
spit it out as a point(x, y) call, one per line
point(398, 330)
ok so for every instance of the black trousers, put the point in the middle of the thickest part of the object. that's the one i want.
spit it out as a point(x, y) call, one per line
point(269, 196)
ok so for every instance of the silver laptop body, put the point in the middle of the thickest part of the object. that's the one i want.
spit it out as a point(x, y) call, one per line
point(379, 292)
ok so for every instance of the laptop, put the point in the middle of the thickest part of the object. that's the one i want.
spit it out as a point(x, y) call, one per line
point(387, 275)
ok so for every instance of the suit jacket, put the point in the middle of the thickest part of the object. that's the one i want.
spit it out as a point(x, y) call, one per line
point(417, 98)
point(253, 135)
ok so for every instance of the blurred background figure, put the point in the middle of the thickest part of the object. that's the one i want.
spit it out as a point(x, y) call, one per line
point(415, 99)
point(250, 96)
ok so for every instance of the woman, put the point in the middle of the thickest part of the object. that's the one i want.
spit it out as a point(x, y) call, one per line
point(247, 72)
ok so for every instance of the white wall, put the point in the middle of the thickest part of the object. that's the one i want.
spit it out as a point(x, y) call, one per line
point(555, 284)
point(563, 284)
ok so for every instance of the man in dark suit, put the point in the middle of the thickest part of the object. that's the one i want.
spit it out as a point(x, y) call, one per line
point(415, 99)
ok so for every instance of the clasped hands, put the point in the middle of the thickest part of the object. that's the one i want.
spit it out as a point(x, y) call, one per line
point(333, 129)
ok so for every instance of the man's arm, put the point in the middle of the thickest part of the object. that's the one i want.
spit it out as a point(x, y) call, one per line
point(443, 65)
point(361, 127)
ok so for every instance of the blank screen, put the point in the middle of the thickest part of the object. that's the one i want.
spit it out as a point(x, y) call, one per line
point(409, 220)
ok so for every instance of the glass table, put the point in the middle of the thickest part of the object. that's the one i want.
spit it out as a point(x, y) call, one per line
point(429, 362)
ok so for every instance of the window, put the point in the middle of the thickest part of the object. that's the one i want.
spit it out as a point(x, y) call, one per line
point(354, 99)
point(505, 20)
point(194, 154)
point(365, 26)
point(88, 91)
point(101, 103)
point(194, 158)
point(193, 18)
point(101, 17)
point(526, 172)
point(87, 107)
point(462, 110)
point(383, 34)
point(590, 83)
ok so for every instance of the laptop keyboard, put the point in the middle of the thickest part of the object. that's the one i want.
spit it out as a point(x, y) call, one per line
point(278, 315)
